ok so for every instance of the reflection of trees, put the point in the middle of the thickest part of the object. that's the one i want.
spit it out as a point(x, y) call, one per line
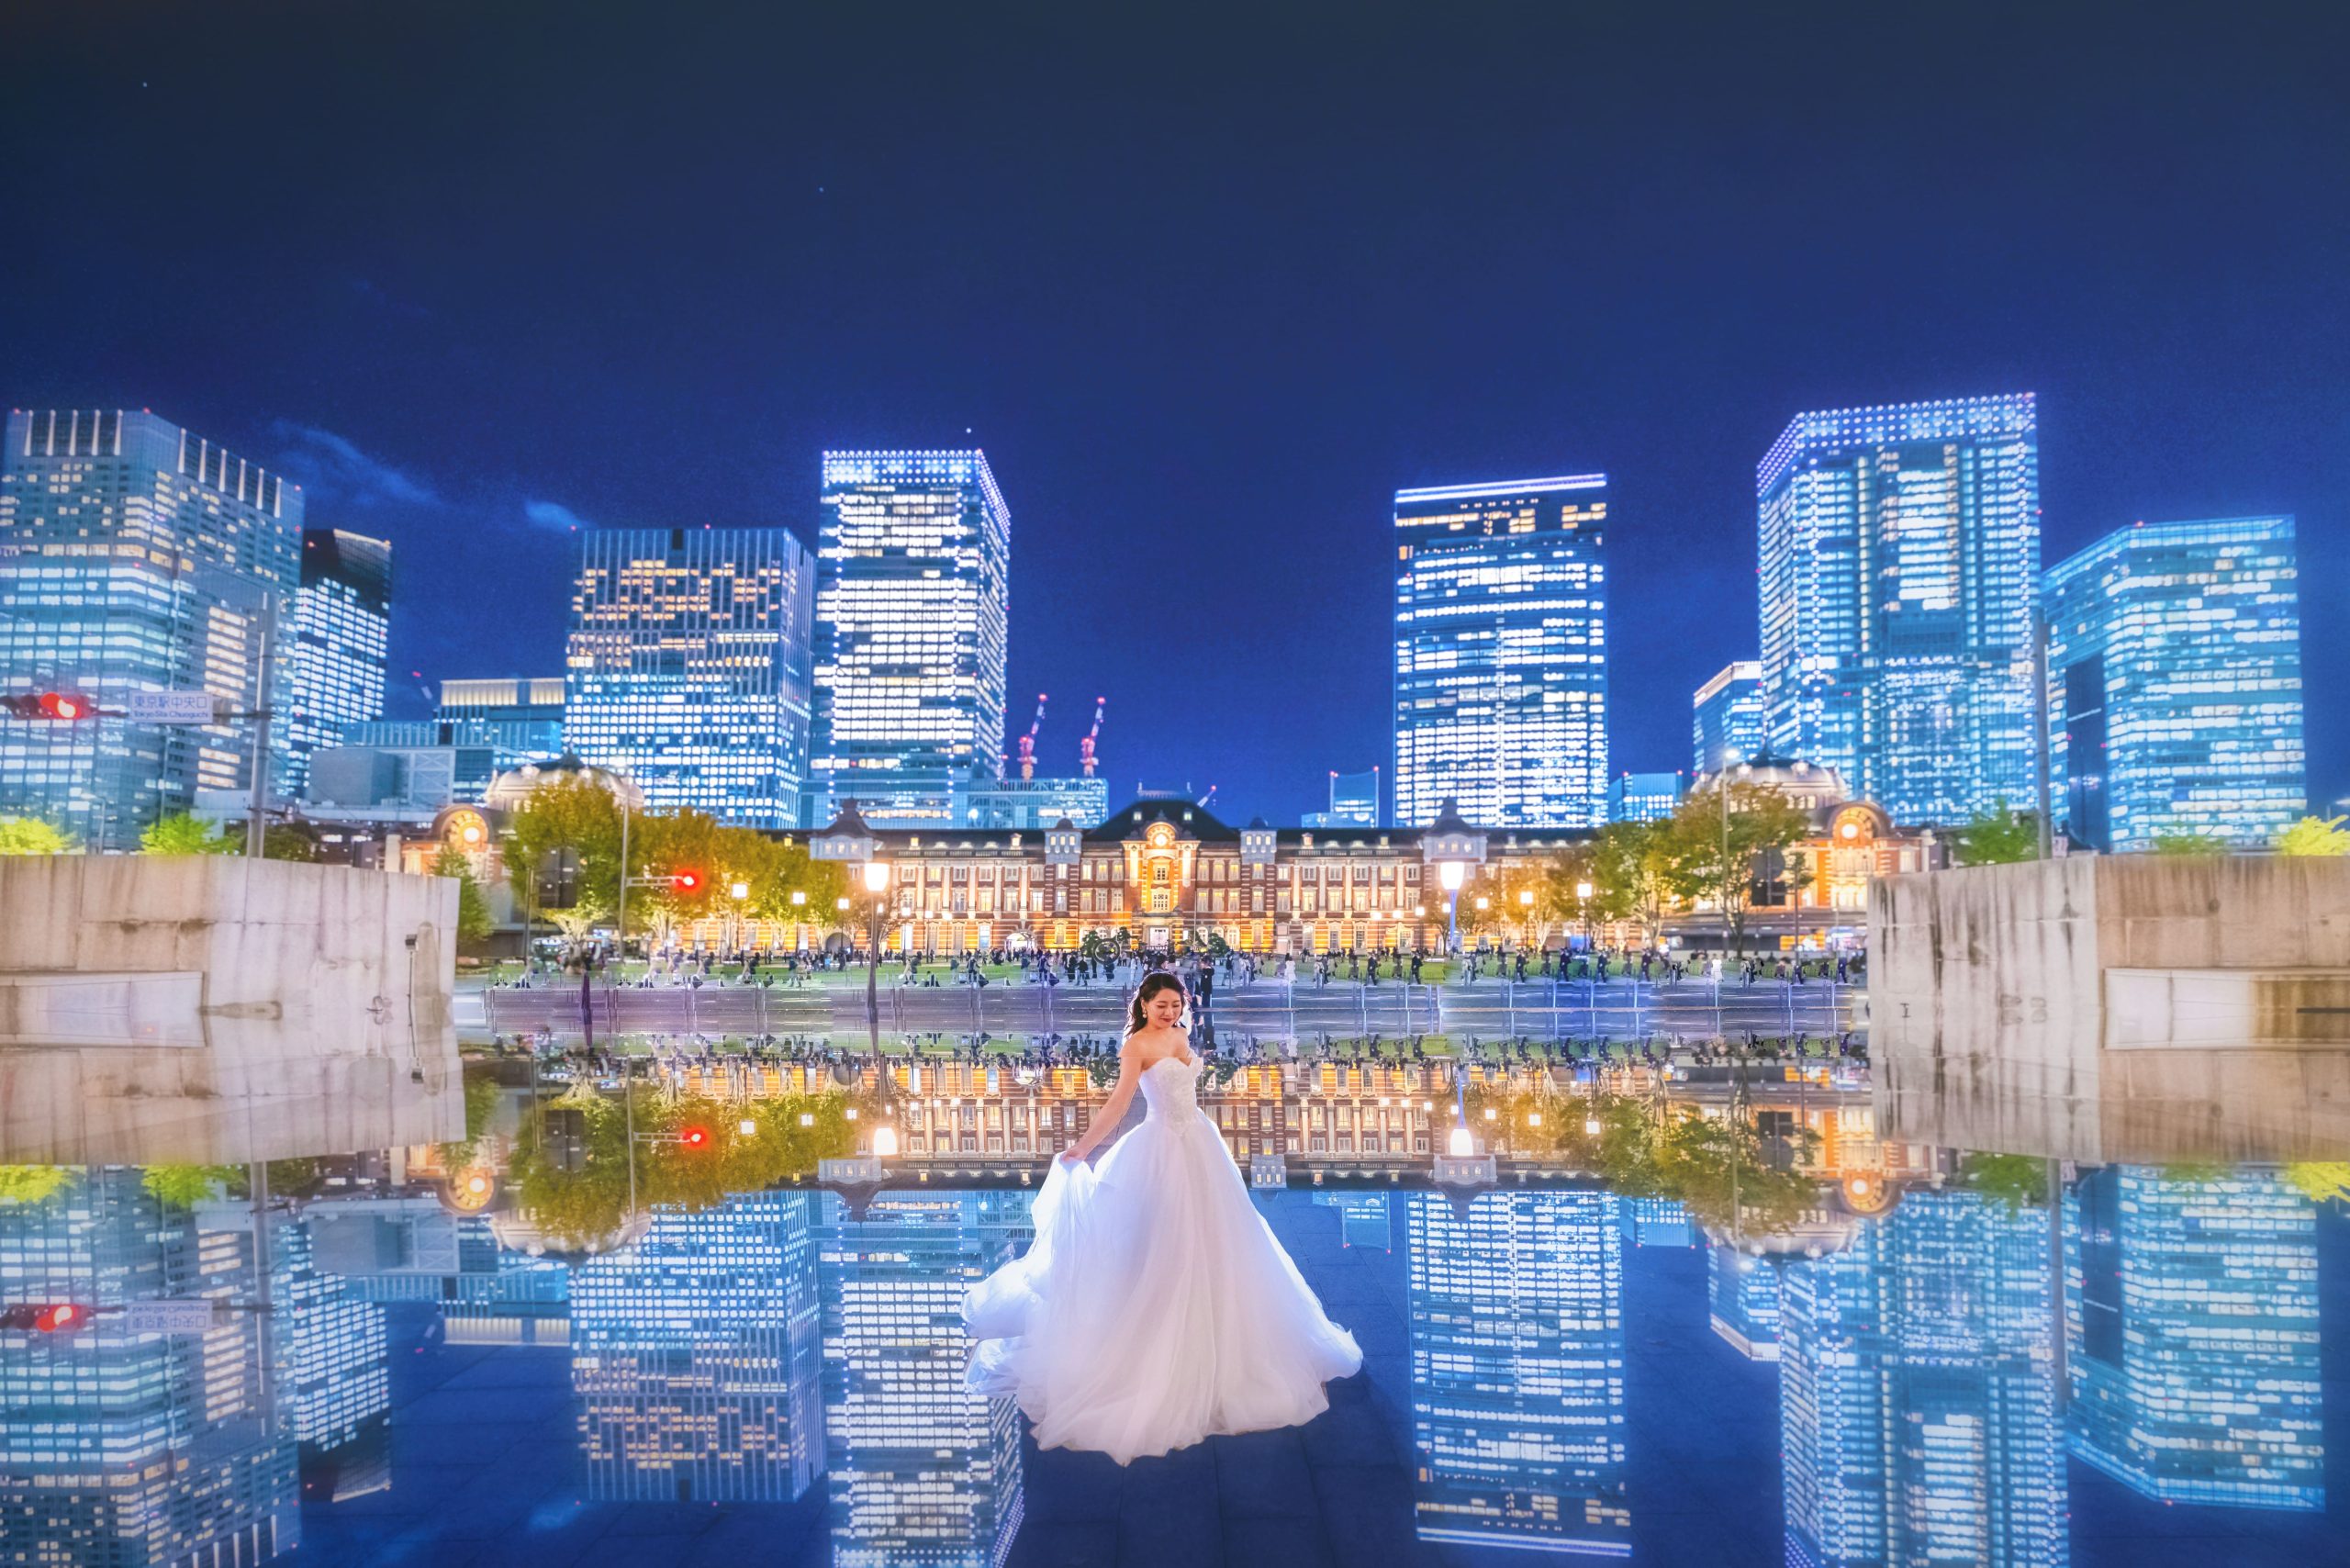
point(2321, 1180)
point(2017, 1180)
point(576, 1207)
point(1725, 1169)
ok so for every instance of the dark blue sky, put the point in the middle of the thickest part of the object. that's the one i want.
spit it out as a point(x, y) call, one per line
point(1207, 288)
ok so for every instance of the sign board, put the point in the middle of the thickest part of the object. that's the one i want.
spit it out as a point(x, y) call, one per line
point(173, 707)
point(168, 1317)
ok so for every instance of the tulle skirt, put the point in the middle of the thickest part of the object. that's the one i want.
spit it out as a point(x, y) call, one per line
point(1155, 1308)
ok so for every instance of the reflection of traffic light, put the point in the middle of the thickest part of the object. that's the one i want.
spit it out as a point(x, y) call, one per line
point(45, 1317)
point(46, 705)
point(695, 1137)
point(685, 881)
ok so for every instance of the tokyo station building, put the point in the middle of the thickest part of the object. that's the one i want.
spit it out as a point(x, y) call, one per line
point(1171, 874)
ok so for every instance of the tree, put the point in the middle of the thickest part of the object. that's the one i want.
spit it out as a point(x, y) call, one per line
point(2189, 843)
point(2016, 1180)
point(2310, 835)
point(287, 841)
point(184, 1186)
point(2321, 1180)
point(184, 833)
point(1998, 836)
point(32, 1183)
point(1630, 868)
point(30, 835)
point(576, 811)
point(474, 924)
point(1717, 840)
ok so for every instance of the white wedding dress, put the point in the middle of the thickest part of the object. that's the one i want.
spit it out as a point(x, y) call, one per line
point(1155, 1308)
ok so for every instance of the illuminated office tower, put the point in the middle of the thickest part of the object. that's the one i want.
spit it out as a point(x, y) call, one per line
point(1354, 803)
point(1517, 1338)
point(1501, 653)
point(1645, 797)
point(2193, 1335)
point(1917, 1395)
point(922, 1472)
point(135, 1450)
point(696, 1357)
point(1899, 557)
point(522, 717)
point(688, 667)
point(135, 557)
point(1743, 1292)
point(912, 608)
point(2175, 684)
point(343, 622)
point(1726, 717)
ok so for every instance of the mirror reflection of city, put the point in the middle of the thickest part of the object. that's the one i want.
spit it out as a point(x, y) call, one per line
point(1833, 1349)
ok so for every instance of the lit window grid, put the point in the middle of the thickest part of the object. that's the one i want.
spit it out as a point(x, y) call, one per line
point(1727, 718)
point(2199, 625)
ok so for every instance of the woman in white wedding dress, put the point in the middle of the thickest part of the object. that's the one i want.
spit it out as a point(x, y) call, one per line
point(1155, 1308)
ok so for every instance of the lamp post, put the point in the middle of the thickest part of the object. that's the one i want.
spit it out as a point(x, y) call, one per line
point(736, 892)
point(799, 919)
point(1583, 910)
point(1451, 873)
point(1526, 913)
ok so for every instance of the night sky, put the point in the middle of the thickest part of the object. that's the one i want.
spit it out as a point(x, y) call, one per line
point(1207, 289)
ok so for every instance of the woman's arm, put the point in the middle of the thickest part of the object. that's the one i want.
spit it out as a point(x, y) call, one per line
point(1114, 1109)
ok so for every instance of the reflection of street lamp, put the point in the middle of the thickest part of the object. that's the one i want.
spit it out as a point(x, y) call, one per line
point(876, 882)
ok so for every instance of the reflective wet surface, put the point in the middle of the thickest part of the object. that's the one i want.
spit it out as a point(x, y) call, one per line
point(1941, 1369)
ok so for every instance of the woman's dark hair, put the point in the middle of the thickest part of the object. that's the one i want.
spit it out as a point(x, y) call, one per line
point(1152, 986)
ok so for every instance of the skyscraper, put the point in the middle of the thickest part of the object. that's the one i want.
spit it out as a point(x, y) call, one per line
point(1916, 1392)
point(523, 717)
point(343, 619)
point(1726, 717)
point(1354, 802)
point(696, 1358)
point(1517, 1338)
point(134, 557)
point(912, 616)
point(1645, 797)
point(2175, 683)
point(2193, 1324)
point(1501, 653)
point(688, 667)
point(1900, 555)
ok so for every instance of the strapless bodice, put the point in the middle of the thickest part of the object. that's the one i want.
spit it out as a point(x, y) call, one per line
point(1170, 1088)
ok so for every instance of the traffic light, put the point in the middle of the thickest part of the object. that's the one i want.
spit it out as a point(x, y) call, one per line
point(45, 1317)
point(685, 882)
point(694, 1138)
point(567, 1139)
point(559, 879)
point(59, 705)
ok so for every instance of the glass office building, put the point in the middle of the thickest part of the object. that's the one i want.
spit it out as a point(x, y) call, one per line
point(1899, 554)
point(911, 620)
point(1501, 653)
point(135, 557)
point(2175, 684)
point(522, 717)
point(342, 622)
point(2192, 1322)
point(1644, 797)
point(688, 667)
point(1918, 1392)
point(1726, 717)
point(1517, 1338)
point(1354, 802)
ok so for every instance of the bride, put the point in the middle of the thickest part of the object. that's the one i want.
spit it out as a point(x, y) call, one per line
point(1155, 1308)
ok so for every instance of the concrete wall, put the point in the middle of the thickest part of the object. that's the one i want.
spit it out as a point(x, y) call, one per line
point(210, 1008)
point(2102, 1007)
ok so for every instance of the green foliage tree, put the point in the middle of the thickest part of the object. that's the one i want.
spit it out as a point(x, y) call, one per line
point(184, 1186)
point(2321, 1180)
point(184, 832)
point(286, 841)
point(2017, 1180)
point(576, 812)
point(474, 923)
point(32, 1184)
point(30, 835)
point(1717, 843)
point(2310, 835)
point(1998, 836)
point(1631, 868)
point(2189, 843)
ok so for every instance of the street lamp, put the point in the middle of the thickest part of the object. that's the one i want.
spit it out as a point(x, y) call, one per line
point(737, 892)
point(799, 919)
point(1451, 873)
point(1583, 909)
point(1526, 913)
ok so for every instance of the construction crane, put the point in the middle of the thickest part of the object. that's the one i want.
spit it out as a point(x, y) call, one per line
point(1028, 741)
point(1209, 796)
point(1085, 747)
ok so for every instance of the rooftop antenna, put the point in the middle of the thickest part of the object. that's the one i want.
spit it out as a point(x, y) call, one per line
point(1085, 747)
point(1028, 741)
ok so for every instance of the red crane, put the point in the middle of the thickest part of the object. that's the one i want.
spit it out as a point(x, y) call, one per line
point(1028, 741)
point(1085, 747)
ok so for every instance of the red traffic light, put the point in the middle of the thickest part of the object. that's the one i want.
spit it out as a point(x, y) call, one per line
point(695, 1137)
point(62, 705)
point(685, 881)
point(49, 1318)
point(59, 705)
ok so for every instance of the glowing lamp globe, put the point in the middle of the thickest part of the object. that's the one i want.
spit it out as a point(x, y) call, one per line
point(1461, 1144)
point(885, 1142)
point(877, 876)
point(1450, 873)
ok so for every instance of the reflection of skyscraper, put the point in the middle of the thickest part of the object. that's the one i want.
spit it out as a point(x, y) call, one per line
point(923, 1474)
point(334, 1380)
point(134, 1450)
point(2193, 1329)
point(1517, 1371)
point(1362, 1218)
point(695, 1358)
point(1743, 1292)
point(1916, 1392)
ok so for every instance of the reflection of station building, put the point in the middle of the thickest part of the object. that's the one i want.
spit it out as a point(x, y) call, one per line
point(1516, 1338)
point(1917, 1388)
point(2192, 1327)
point(127, 1448)
point(921, 1472)
point(695, 1355)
